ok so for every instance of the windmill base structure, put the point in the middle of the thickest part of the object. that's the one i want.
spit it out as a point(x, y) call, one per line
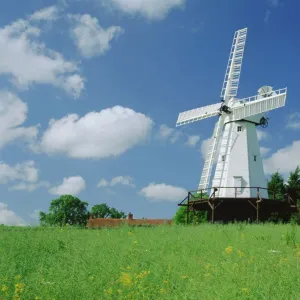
point(239, 187)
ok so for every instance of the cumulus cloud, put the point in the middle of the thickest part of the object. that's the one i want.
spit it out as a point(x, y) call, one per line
point(29, 187)
point(163, 192)
point(293, 121)
point(150, 9)
point(262, 135)
point(264, 150)
point(107, 133)
point(284, 160)
point(25, 171)
point(122, 180)
point(13, 113)
point(204, 147)
point(70, 186)
point(167, 133)
point(27, 61)
point(90, 38)
point(8, 217)
point(46, 14)
point(192, 140)
point(24, 175)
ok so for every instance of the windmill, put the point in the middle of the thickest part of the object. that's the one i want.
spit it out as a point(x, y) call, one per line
point(234, 143)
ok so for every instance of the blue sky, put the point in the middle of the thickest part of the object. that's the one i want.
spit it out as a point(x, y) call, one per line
point(90, 91)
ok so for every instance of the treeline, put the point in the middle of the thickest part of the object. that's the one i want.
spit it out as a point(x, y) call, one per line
point(280, 188)
point(69, 210)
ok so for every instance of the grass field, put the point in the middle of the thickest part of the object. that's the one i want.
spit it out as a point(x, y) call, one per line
point(196, 262)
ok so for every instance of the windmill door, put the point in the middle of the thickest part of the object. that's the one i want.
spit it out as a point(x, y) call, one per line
point(237, 183)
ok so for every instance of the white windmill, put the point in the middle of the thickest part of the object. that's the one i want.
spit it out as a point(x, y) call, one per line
point(234, 141)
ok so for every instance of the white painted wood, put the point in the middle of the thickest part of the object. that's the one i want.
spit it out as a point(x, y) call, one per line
point(242, 160)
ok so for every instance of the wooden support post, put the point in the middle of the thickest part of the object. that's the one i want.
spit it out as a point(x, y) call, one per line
point(257, 205)
point(188, 210)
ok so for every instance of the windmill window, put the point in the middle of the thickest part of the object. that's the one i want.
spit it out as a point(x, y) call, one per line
point(223, 157)
point(255, 156)
point(239, 128)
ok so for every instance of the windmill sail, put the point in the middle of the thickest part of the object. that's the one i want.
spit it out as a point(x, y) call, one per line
point(234, 66)
point(211, 154)
point(198, 114)
point(255, 105)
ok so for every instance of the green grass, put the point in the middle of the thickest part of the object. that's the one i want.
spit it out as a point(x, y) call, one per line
point(151, 263)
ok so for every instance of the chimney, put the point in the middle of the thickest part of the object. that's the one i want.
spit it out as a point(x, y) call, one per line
point(130, 216)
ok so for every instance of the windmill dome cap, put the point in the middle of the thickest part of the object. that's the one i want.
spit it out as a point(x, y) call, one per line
point(265, 90)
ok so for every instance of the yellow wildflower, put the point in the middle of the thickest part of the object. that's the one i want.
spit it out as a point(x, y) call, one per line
point(4, 288)
point(228, 250)
point(240, 253)
point(37, 298)
point(283, 260)
point(245, 290)
point(19, 287)
point(135, 242)
point(130, 233)
point(126, 279)
point(184, 277)
point(166, 281)
point(109, 291)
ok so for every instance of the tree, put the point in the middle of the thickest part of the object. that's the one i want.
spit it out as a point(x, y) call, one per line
point(115, 214)
point(276, 186)
point(104, 211)
point(194, 217)
point(293, 182)
point(100, 211)
point(65, 210)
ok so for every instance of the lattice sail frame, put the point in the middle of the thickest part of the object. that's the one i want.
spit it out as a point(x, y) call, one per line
point(234, 65)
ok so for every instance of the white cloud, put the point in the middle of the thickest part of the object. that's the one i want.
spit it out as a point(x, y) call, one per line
point(262, 135)
point(204, 147)
point(284, 160)
point(13, 113)
point(273, 4)
point(110, 132)
point(46, 14)
point(150, 9)
point(103, 183)
point(27, 61)
point(164, 192)
point(70, 185)
point(8, 217)
point(90, 38)
point(25, 186)
point(25, 171)
point(123, 180)
point(293, 121)
point(167, 133)
point(192, 140)
point(35, 216)
point(264, 151)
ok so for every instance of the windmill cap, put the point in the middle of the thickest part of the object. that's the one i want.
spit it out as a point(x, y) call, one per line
point(265, 90)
